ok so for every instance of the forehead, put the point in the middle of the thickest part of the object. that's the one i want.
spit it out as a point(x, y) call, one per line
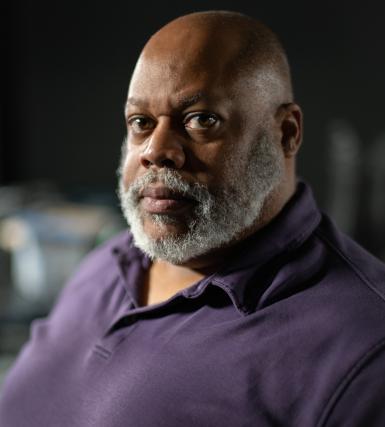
point(168, 81)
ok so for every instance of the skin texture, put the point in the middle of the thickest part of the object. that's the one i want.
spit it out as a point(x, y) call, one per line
point(231, 70)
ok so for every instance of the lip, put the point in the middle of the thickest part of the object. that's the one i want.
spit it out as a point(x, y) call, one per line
point(161, 200)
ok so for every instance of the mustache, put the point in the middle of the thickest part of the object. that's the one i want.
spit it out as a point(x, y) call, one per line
point(170, 179)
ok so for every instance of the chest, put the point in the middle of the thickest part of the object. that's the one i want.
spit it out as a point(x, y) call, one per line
point(166, 372)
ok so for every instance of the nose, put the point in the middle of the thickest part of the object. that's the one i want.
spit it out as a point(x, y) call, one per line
point(164, 148)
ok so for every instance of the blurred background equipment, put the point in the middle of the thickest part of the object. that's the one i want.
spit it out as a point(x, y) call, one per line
point(375, 173)
point(344, 173)
point(46, 244)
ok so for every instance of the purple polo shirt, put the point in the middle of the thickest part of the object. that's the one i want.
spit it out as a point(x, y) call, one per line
point(291, 332)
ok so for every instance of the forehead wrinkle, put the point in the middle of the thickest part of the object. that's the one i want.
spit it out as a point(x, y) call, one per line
point(182, 101)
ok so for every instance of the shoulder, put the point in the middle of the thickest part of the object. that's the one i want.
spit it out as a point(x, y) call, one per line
point(95, 290)
point(103, 258)
point(352, 261)
point(359, 398)
point(351, 294)
point(98, 271)
point(355, 303)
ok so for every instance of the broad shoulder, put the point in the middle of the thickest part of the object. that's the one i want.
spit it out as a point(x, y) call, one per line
point(353, 261)
point(99, 269)
point(359, 398)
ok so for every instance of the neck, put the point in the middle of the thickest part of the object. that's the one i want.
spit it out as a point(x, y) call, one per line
point(165, 279)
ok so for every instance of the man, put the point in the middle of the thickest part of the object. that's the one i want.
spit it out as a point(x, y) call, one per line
point(233, 301)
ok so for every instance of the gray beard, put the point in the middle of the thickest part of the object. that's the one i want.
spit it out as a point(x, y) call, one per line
point(219, 216)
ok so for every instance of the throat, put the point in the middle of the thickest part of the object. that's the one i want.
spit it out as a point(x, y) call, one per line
point(164, 280)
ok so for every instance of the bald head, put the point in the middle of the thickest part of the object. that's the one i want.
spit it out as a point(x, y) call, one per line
point(210, 105)
point(233, 43)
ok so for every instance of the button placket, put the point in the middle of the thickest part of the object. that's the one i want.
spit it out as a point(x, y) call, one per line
point(120, 330)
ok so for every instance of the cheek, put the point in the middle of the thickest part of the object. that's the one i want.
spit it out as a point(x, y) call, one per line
point(130, 167)
point(205, 163)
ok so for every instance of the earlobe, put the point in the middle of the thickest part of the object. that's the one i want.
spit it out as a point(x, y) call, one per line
point(290, 119)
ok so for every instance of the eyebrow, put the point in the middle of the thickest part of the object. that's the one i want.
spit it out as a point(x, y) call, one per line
point(187, 101)
point(183, 102)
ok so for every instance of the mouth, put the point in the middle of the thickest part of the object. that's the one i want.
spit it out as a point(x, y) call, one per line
point(162, 200)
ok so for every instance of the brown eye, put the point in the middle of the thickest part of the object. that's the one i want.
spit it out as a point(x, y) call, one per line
point(140, 124)
point(200, 121)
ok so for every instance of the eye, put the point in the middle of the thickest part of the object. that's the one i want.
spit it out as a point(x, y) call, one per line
point(200, 121)
point(140, 124)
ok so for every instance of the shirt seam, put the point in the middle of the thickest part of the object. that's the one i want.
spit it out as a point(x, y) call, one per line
point(353, 266)
point(347, 380)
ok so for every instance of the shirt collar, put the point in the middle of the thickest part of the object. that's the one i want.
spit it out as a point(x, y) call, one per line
point(247, 276)
point(250, 274)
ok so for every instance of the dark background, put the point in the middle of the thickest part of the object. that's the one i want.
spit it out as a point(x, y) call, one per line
point(65, 71)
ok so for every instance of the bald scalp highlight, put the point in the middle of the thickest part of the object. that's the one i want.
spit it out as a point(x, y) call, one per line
point(257, 53)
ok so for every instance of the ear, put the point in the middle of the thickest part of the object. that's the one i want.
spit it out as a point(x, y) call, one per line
point(289, 120)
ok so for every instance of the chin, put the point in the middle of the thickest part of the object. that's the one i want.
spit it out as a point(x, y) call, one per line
point(156, 230)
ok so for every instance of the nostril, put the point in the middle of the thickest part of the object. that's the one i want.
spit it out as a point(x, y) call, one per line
point(146, 163)
point(168, 163)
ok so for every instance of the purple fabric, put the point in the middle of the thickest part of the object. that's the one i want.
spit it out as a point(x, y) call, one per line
point(290, 333)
